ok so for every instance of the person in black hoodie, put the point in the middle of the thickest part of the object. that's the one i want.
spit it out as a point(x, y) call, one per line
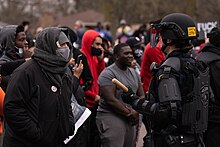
point(210, 54)
point(12, 44)
point(37, 110)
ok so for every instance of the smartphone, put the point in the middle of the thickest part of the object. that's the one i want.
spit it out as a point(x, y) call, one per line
point(78, 59)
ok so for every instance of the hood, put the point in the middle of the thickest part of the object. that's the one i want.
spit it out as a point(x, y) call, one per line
point(46, 40)
point(211, 48)
point(54, 66)
point(7, 40)
point(87, 41)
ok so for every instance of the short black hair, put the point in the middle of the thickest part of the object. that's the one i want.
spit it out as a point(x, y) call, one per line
point(20, 28)
point(24, 23)
point(118, 48)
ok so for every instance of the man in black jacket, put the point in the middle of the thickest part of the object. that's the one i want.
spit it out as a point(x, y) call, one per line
point(37, 108)
point(210, 54)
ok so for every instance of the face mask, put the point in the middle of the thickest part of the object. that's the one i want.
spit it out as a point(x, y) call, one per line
point(20, 52)
point(63, 52)
point(96, 51)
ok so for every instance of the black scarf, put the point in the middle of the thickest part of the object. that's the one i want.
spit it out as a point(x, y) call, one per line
point(53, 66)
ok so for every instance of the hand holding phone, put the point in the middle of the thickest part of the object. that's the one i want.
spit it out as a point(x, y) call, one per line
point(78, 59)
point(78, 68)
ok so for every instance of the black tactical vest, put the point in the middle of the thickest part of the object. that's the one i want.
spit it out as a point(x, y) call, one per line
point(193, 80)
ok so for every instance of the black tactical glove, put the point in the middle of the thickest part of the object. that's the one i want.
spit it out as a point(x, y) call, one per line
point(129, 97)
point(162, 117)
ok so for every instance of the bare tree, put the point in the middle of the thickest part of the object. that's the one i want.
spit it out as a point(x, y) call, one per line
point(208, 10)
point(14, 11)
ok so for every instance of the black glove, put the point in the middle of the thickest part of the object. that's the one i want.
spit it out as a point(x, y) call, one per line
point(129, 97)
point(162, 117)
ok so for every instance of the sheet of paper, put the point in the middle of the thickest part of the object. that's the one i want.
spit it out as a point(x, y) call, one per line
point(79, 122)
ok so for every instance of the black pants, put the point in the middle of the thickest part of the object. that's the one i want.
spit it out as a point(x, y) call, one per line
point(82, 136)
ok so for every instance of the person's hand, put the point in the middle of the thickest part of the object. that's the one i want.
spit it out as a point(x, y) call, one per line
point(162, 116)
point(133, 116)
point(72, 62)
point(97, 98)
point(26, 59)
point(101, 57)
point(28, 52)
point(77, 70)
point(129, 97)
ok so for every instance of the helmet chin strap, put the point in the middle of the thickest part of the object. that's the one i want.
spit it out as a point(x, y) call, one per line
point(165, 45)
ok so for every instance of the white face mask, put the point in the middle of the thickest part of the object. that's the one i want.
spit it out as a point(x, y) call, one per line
point(63, 52)
point(20, 52)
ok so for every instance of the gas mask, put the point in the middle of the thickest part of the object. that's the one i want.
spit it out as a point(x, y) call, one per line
point(96, 51)
point(63, 52)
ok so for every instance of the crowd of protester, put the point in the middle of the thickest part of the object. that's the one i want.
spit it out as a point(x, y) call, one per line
point(41, 72)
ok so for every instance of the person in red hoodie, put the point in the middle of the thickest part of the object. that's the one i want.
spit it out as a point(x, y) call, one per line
point(150, 55)
point(92, 49)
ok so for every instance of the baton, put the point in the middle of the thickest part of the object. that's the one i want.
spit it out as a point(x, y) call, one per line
point(119, 84)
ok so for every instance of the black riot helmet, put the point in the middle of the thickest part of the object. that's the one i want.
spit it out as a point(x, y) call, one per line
point(178, 27)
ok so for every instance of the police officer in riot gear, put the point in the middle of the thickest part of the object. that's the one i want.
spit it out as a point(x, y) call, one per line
point(175, 104)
